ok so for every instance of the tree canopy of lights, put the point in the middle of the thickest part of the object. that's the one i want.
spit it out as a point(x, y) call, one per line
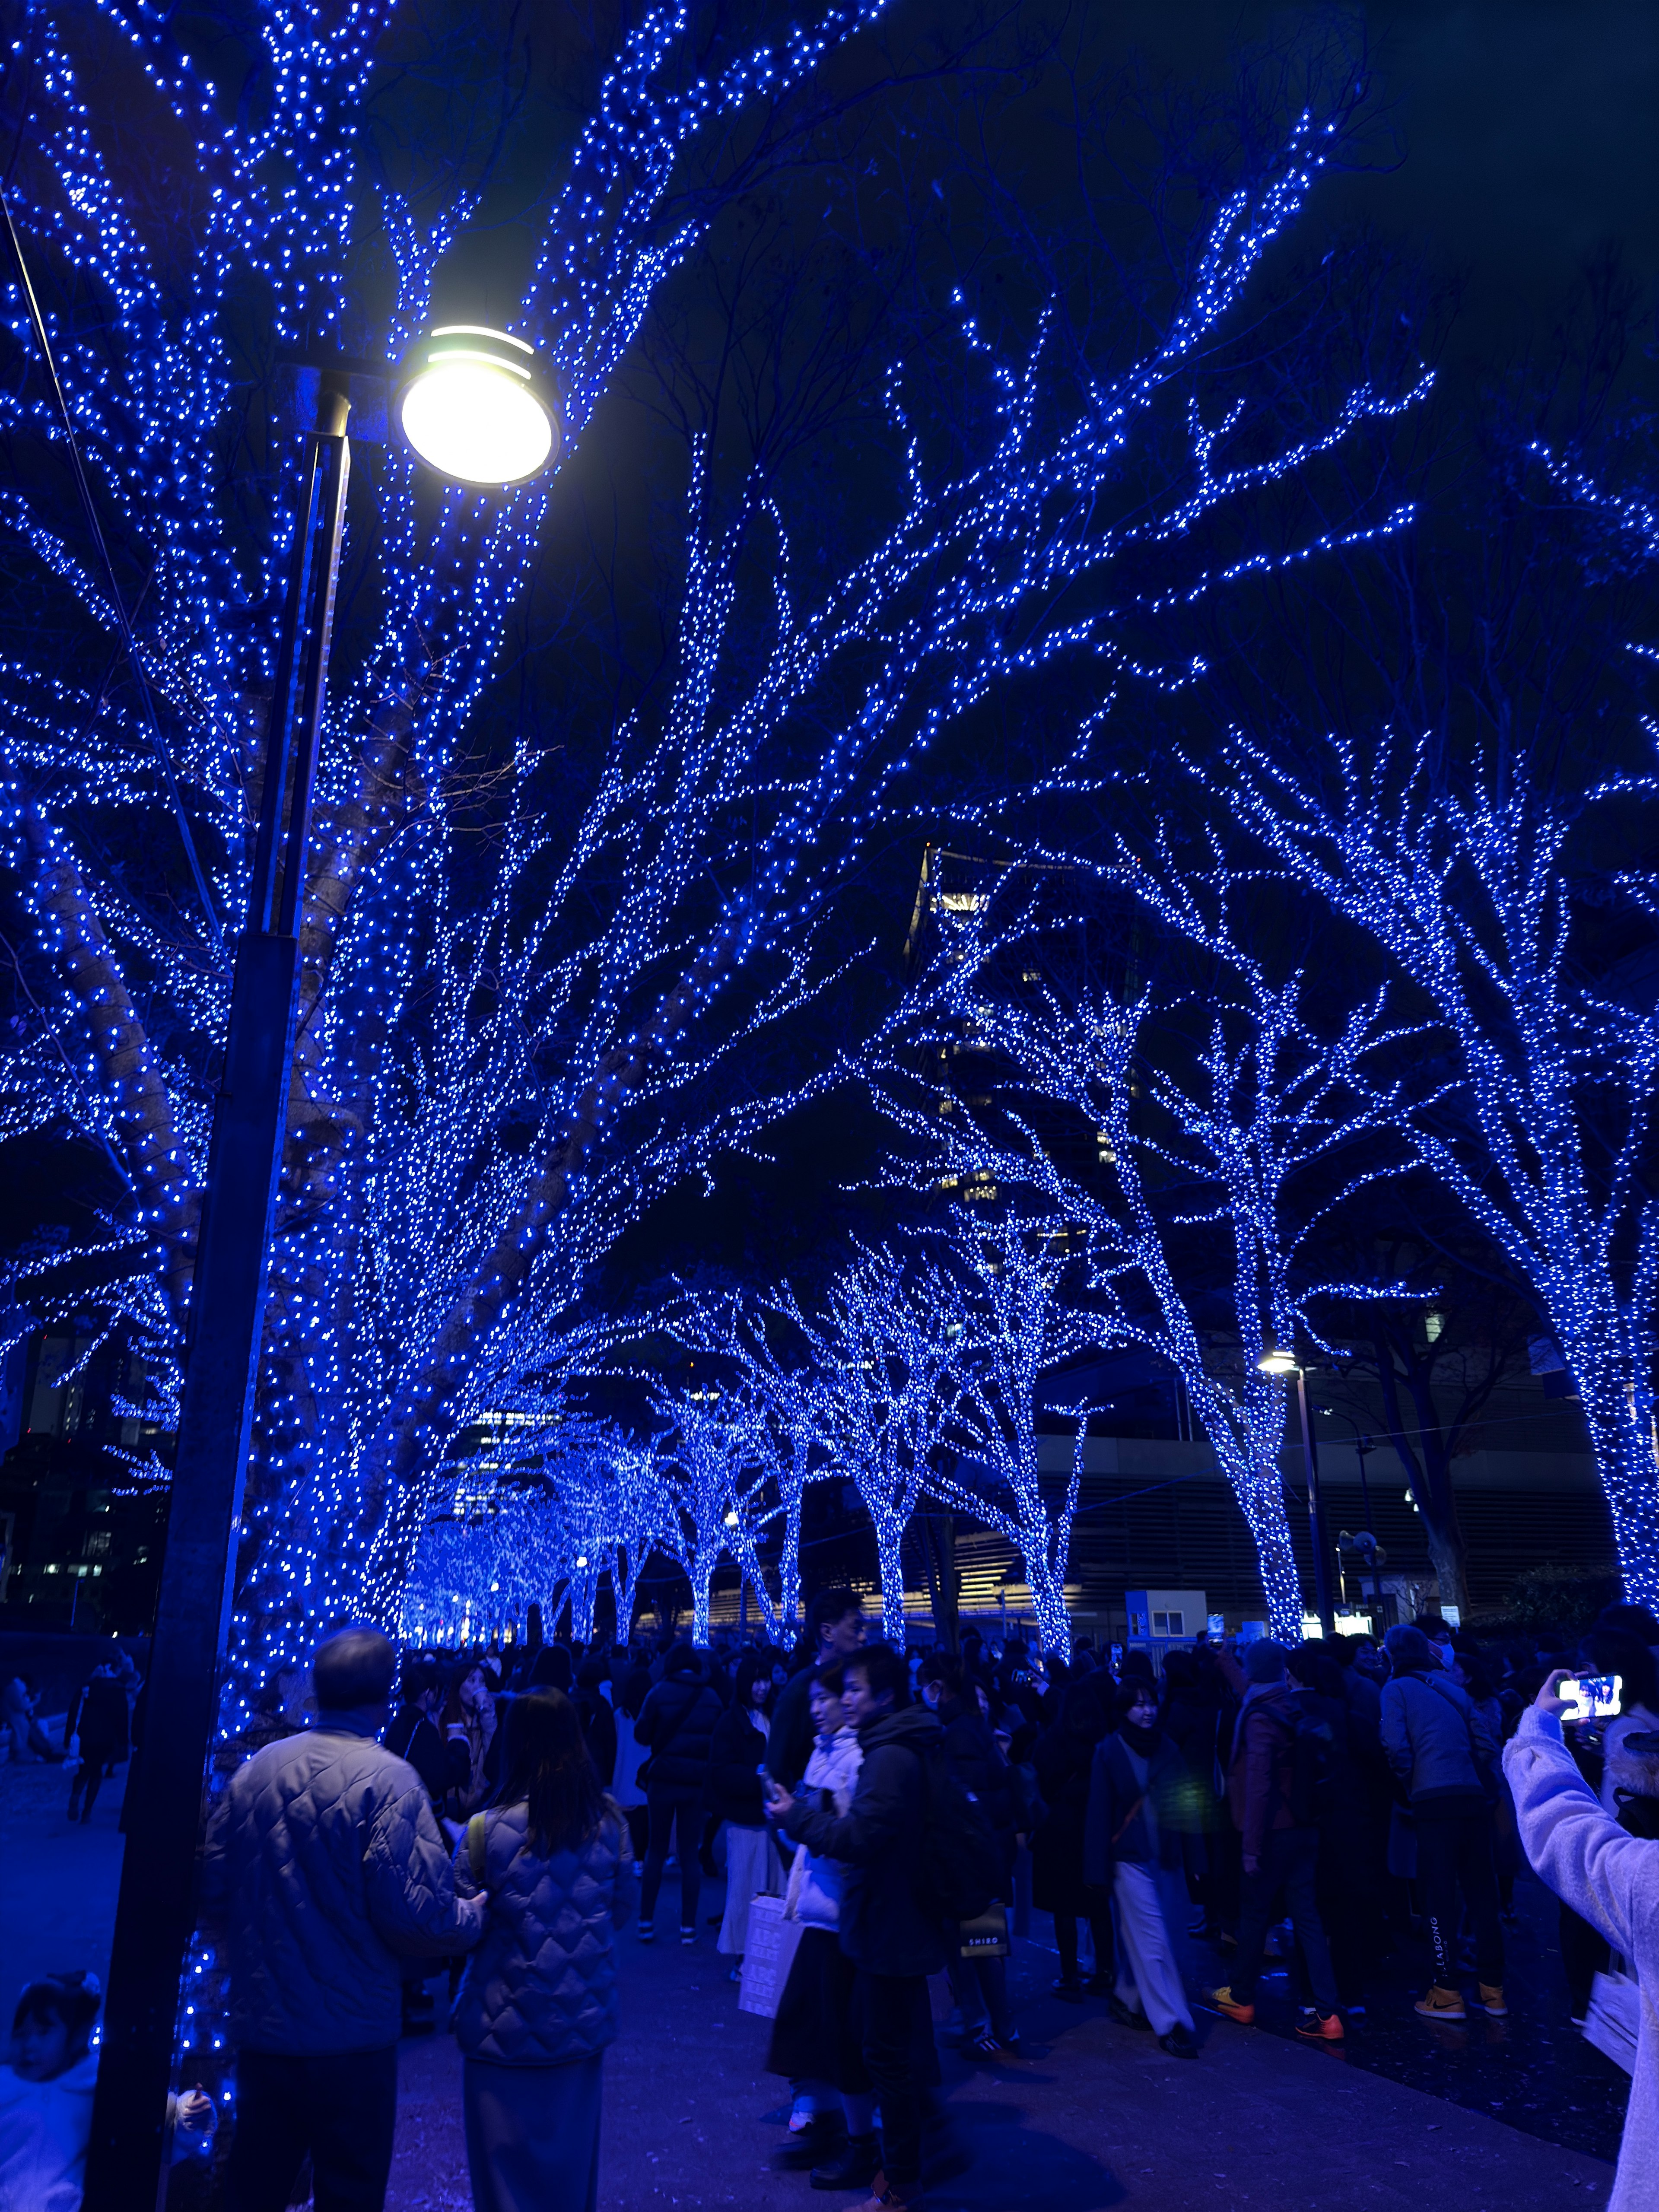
point(502, 1061)
point(880, 1348)
point(1225, 1111)
point(1016, 1318)
point(1546, 1138)
point(542, 1513)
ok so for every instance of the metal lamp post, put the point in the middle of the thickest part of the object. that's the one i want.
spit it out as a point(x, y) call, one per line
point(1285, 1362)
point(472, 406)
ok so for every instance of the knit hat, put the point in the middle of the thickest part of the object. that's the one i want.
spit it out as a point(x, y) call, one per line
point(1264, 1660)
point(1410, 1650)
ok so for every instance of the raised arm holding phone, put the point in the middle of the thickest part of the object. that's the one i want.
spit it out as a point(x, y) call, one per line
point(1609, 1876)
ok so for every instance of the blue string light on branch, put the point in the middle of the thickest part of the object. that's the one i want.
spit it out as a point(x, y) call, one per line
point(425, 1270)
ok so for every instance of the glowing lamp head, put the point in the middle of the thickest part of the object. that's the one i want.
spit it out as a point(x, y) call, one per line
point(474, 405)
point(1277, 1363)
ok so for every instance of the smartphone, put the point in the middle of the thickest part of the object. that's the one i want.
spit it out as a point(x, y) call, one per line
point(1597, 1697)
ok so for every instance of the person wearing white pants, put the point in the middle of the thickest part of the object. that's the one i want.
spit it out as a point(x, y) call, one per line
point(1129, 1849)
point(1148, 1972)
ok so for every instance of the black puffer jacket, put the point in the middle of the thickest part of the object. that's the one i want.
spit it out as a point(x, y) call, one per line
point(888, 1922)
point(1064, 1761)
point(685, 1763)
point(734, 1789)
point(443, 1763)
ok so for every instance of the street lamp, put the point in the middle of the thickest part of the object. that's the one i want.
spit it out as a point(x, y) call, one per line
point(1285, 1362)
point(472, 404)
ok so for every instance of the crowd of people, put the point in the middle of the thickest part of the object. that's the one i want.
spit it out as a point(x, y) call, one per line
point(1339, 1799)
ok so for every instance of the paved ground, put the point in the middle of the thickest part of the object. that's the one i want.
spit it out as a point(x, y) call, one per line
point(1094, 2116)
point(57, 1894)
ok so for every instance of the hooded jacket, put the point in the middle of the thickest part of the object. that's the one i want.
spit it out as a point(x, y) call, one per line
point(889, 1923)
point(44, 2127)
point(1612, 1878)
point(324, 1869)
point(541, 1988)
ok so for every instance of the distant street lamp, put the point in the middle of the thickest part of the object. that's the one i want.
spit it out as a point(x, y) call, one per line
point(1285, 1362)
point(473, 406)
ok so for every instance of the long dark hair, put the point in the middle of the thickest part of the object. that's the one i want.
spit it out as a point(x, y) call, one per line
point(548, 1768)
point(750, 1667)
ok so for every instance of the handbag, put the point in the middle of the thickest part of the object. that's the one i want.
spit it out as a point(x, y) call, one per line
point(772, 1941)
point(642, 1771)
point(986, 1936)
point(1614, 2018)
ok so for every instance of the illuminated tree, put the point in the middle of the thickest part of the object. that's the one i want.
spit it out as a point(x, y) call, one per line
point(523, 1018)
point(190, 272)
point(1227, 1114)
point(879, 1349)
point(1475, 892)
point(1003, 1279)
point(713, 1462)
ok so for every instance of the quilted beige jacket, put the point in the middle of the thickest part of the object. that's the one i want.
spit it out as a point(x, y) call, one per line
point(324, 1869)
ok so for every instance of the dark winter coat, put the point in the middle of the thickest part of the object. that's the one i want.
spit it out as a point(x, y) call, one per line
point(734, 1787)
point(442, 1763)
point(541, 1988)
point(1191, 1726)
point(1437, 1740)
point(600, 1728)
point(974, 1757)
point(1117, 1827)
point(1261, 1774)
point(98, 1713)
point(324, 1869)
point(1064, 1762)
point(685, 1764)
point(889, 1923)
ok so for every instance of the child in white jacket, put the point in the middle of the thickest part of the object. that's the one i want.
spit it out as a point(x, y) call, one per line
point(1612, 1878)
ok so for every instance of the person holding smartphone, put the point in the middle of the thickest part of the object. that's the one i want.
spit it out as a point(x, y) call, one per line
point(1577, 1849)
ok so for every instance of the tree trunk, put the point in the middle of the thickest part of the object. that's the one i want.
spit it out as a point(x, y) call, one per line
point(1449, 1555)
point(702, 1583)
point(1048, 1583)
point(789, 1559)
point(1260, 1495)
point(1619, 1420)
point(890, 1545)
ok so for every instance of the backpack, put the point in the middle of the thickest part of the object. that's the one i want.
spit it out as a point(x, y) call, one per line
point(1313, 1764)
point(961, 1859)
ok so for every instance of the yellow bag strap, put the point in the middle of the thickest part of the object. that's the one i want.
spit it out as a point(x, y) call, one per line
point(474, 1847)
